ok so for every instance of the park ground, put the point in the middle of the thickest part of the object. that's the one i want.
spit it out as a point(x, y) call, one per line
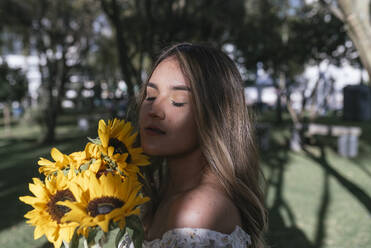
point(315, 197)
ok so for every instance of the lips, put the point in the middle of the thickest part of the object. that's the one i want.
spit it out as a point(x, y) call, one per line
point(154, 130)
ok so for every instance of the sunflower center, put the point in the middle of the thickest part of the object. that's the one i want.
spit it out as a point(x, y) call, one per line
point(119, 148)
point(57, 211)
point(103, 205)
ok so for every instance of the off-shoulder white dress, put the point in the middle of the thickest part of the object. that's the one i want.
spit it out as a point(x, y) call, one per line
point(195, 237)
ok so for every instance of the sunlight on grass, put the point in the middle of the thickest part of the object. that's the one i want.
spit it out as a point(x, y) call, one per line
point(327, 205)
point(20, 235)
point(312, 202)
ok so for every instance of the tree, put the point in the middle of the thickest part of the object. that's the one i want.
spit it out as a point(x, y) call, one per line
point(143, 27)
point(284, 38)
point(13, 87)
point(355, 14)
point(63, 32)
point(60, 33)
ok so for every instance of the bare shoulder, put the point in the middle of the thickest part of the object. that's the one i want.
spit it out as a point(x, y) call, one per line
point(204, 207)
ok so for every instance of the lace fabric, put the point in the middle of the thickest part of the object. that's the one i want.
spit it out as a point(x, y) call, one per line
point(196, 237)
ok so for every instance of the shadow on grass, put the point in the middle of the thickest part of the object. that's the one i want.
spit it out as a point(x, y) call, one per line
point(281, 234)
point(363, 158)
point(14, 147)
point(329, 171)
point(323, 212)
point(355, 190)
point(284, 232)
point(363, 168)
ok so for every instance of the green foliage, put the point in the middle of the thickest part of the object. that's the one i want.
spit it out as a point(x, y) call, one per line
point(133, 231)
point(142, 28)
point(108, 41)
point(13, 84)
point(74, 243)
point(285, 37)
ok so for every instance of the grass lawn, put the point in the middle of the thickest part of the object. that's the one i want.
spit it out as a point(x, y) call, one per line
point(315, 198)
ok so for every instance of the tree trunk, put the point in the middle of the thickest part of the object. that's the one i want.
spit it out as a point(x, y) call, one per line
point(50, 120)
point(357, 18)
point(355, 14)
point(59, 71)
point(7, 117)
point(112, 10)
point(279, 108)
point(50, 113)
point(279, 85)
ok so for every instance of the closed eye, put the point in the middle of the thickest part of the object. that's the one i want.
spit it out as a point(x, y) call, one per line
point(178, 104)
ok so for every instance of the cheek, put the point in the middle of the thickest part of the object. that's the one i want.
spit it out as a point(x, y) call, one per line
point(184, 127)
point(181, 135)
point(143, 112)
point(184, 134)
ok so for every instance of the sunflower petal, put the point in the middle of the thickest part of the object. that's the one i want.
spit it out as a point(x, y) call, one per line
point(29, 199)
point(38, 232)
point(56, 154)
point(103, 133)
point(67, 231)
point(45, 162)
point(104, 224)
point(38, 190)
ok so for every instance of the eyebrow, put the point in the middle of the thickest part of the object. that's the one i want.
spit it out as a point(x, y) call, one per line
point(180, 87)
point(152, 85)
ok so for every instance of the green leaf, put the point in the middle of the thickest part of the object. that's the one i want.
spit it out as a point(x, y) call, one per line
point(95, 141)
point(135, 230)
point(86, 165)
point(65, 171)
point(113, 225)
point(119, 236)
point(134, 222)
point(91, 237)
point(130, 232)
point(74, 243)
point(103, 239)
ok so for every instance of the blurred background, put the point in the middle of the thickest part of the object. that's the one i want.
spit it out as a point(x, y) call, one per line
point(306, 65)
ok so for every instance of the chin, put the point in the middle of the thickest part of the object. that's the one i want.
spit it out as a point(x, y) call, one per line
point(153, 151)
point(166, 151)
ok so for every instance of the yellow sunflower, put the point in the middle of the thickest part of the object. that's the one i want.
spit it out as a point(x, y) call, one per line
point(117, 139)
point(47, 167)
point(92, 150)
point(100, 200)
point(90, 159)
point(46, 215)
point(78, 158)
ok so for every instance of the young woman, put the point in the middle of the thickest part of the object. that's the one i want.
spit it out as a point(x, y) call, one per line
point(193, 114)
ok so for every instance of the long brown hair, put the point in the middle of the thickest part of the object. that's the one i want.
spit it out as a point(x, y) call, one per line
point(224, 127)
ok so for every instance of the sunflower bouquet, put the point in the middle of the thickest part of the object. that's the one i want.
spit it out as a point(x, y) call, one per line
point(88, 193)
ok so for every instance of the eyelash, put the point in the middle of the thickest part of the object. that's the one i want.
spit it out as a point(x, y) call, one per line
point(176, 104)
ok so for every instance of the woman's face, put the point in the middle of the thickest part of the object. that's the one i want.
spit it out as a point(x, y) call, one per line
point(167, 125)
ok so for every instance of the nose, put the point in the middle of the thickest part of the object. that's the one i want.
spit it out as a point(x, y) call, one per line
point(157, 110)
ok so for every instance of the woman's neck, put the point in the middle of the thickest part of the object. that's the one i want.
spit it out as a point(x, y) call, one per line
point(185, 172)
